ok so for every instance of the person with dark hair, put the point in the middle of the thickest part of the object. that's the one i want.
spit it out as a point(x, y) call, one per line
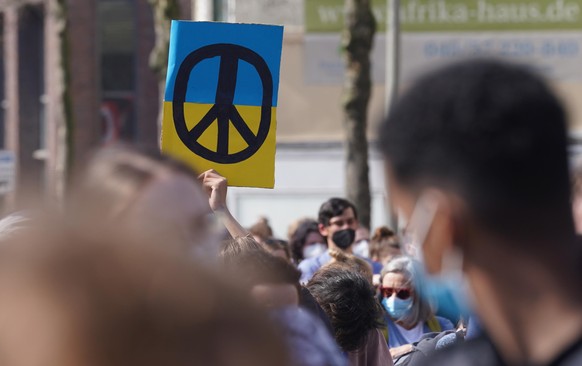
point(273, 283)
point(348, 299)
point(338, 221)
point(306, 241)
point(477, 161)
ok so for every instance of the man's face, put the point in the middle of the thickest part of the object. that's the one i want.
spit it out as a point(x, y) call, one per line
point(439, 228)
point(347, 220)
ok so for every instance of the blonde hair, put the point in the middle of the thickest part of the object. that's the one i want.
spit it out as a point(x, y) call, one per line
point(351, 262)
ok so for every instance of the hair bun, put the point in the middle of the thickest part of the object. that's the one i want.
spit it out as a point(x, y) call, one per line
point(383, 232)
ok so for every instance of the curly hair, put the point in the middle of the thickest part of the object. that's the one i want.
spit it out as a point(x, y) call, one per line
point(348, 300)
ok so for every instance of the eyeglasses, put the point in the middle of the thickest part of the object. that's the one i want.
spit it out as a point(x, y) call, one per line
point(401, 293)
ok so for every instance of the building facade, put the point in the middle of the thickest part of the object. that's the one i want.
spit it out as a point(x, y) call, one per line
point(81, 63)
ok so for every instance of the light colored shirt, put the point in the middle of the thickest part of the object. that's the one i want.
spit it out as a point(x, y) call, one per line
point(411, 335)
point(309, 266)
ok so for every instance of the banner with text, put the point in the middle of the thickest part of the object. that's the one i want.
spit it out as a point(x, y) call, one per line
point(546, 34)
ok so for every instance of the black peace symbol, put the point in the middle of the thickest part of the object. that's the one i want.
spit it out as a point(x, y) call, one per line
point(223, 110)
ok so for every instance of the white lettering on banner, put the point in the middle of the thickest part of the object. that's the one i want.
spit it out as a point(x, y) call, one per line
point(443, 11)
point(557, 55)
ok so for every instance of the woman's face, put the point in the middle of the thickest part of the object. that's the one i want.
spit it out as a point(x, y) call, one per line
point(313, 238)
point(396, 282)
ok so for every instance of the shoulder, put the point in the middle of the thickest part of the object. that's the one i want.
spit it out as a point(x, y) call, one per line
point(306, 264)
point(476, 352)
point(445, 323)
point(309, 266)
point(315, 262)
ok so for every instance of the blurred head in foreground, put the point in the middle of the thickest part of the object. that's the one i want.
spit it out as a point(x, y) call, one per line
point(272, 281)
point(477, 162)
point(67, 301)
point(154, 196)
point(482, 147)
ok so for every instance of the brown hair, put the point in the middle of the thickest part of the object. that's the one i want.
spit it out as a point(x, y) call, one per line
point(261, 229)
point(233, 248)
point(383, 238)
point(272, 245)
point(130, 305)
point(255, 267)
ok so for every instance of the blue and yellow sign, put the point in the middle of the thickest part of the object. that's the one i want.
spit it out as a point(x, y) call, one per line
point(221, 99)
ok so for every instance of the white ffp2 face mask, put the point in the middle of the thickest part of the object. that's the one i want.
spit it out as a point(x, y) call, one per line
point(362, 248)
point(314, 250)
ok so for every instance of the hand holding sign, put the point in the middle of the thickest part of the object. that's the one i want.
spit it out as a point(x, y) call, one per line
point(215, 186)
point(221, 99)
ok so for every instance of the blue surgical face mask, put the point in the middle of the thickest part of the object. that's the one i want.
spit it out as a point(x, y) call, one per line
point(397, 308)
point(447, 290)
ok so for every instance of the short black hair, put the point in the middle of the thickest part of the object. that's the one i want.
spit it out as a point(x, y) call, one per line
point(334, 207)
point(491, 131)
point(348, 300)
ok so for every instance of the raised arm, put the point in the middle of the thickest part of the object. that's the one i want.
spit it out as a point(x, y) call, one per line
point(215, 185)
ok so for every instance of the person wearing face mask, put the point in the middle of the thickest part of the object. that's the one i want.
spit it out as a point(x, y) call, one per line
point(338, 222)
point(477, 162)
point(306, 241)
point(407, 314)
point(362, 242)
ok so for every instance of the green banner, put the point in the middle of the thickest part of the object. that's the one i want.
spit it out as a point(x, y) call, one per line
point(327, 16)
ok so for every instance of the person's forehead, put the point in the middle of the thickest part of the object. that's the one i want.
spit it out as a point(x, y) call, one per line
point(348, 213)
point(394, 279)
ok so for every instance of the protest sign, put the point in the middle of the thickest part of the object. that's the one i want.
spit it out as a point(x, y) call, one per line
point(221, 99)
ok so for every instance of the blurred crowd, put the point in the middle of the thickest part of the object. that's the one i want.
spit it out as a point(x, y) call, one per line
point(146, 265)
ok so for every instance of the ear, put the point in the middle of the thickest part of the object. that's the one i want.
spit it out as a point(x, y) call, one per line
point(323, 230)
point(441, 235)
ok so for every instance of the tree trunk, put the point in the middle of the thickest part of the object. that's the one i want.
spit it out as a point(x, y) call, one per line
point(357, 39)
point(65, 127)
point(164, 12)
